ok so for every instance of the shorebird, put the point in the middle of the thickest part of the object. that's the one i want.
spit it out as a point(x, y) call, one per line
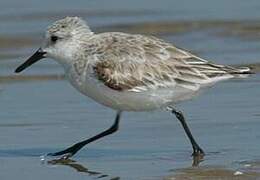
point(128, 72)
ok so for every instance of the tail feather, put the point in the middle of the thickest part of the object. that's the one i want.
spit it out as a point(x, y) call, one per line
point(244, 70)
point(241, 72)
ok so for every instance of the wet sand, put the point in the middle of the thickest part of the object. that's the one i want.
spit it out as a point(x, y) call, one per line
point(42, 113)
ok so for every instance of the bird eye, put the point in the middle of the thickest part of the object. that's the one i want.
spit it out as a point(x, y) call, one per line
point(54, 38)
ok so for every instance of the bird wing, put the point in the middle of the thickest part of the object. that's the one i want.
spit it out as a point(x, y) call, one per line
point(138, 63)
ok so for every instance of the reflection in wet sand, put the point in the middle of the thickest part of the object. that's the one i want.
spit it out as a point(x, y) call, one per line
point(79, 168)
point(73, 164)
point(98, 175)
point(197, 160)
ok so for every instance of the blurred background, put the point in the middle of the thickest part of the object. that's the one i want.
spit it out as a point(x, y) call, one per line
point(42, 113)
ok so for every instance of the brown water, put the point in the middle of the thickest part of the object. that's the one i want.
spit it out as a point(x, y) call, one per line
point(42, 113)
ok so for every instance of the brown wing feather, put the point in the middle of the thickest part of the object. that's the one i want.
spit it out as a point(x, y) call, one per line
point(139, 62)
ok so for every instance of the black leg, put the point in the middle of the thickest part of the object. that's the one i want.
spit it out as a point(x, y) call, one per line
point(76, 147)
point(197, 151)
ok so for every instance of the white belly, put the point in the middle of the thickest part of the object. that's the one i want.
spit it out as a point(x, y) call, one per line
point(128, 100)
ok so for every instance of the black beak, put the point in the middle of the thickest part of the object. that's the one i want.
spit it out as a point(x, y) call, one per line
point(39, 54)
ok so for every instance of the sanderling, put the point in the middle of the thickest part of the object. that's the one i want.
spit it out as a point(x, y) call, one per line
point(128, 72)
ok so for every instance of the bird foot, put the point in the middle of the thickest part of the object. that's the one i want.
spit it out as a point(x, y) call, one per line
point(64, 156)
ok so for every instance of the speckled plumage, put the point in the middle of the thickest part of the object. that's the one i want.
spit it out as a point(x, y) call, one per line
point(131, 64)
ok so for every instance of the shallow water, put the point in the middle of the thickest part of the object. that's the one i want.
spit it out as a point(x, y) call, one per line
point(42, 113)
